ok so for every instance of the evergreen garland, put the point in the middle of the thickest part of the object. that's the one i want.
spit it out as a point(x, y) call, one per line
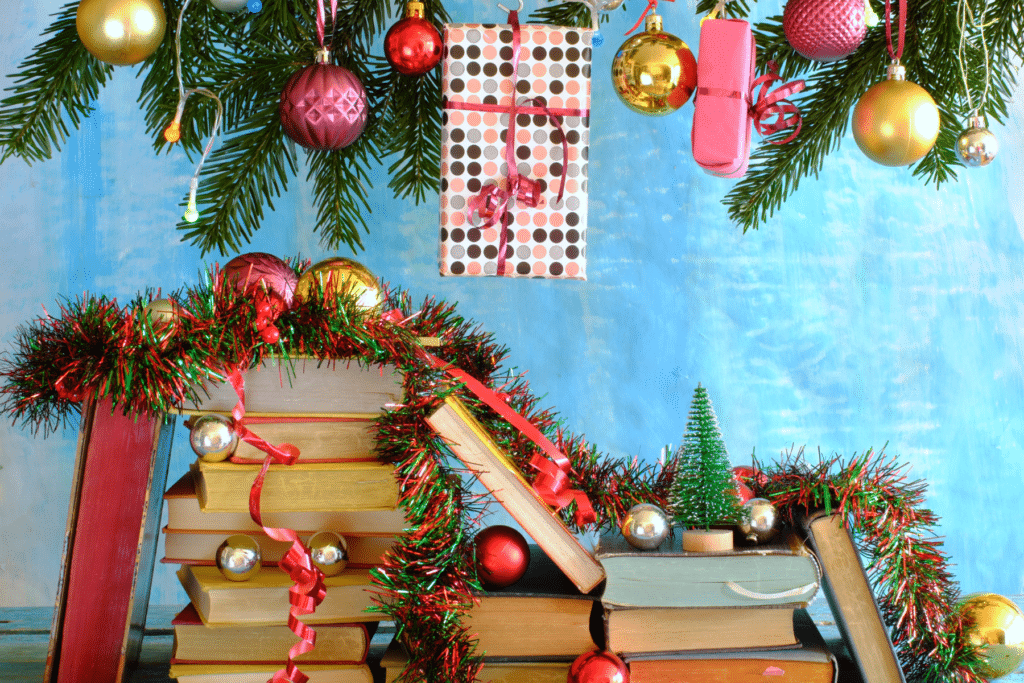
point(703, 491)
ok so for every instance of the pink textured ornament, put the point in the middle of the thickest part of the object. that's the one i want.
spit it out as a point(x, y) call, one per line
point(258, 270)
point(598, 667)
point(323, 106)
point(824, 30)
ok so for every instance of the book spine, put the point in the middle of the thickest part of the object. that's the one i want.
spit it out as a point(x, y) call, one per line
point(122, 468)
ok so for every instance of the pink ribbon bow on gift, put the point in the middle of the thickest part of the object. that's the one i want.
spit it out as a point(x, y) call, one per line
point(765, 105)
point(489, 204)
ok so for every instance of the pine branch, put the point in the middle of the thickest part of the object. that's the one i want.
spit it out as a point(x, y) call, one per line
point(411, 131)
point(563, 14)
point(340, 180)
point(58, 83)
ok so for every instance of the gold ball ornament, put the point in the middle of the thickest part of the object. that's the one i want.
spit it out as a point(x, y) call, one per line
point(162, 312)
point(213, 437)
point(654, 72)
point(238, 557)
point(996, 625)
point(329, 552)
point(977, 146)
point(895, 122)
point(760, 520)
point(645, 526)
point(121, 32)
point(342, 276)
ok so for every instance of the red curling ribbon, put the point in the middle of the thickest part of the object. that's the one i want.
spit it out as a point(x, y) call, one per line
point(493, 200)
point(766, 106)
point(308, 589)
point(651, 5)
point(321, 20)
point(552, 480)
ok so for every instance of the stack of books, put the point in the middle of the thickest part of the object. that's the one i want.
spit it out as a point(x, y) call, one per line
point(674, 615)
point(238, 631)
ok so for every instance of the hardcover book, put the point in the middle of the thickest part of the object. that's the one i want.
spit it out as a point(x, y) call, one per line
point(225, 486)
point(812, 662)
point(183, 512)
point(322, 439)
point(264, 599)
point(494, 669)
point(258, 672)
point(473, 445)
point(782, 573)
point(541, 615)
point(849, 594)
point(306, 386)
point(197, 643)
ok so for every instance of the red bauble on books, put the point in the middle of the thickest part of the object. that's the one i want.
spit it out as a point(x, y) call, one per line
point(323, 106)
point(413, 45)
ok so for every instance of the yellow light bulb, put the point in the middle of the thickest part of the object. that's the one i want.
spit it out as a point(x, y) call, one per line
point(172, 133)
point(191, 213)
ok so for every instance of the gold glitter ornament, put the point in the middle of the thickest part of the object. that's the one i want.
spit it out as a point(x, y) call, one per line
point(895, 122)
point(342, 276)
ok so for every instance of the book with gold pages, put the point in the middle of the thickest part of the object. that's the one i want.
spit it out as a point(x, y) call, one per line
point(263, 599)
point(541, 615)
point(811, 662)
point(225, 486)
point(772, 574)
point(630, 631)
point(494, 669)
point(195, 642)
point(306, 386)
point(199, 547)
point(184, 513)
point(320, 439)
point(258, 672)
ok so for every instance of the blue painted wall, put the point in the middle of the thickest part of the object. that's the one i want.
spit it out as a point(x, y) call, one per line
point(869, 310)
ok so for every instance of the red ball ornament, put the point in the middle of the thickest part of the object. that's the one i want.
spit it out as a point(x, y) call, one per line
point(598, 667)
point(502, 556)
point(257, 271)
point(824, 30)
point(323, 106)
point(413, 45)
point(745, 473)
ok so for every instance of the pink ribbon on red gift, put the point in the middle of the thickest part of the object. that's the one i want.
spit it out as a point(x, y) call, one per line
point(491, 203)
point(308, 589)
point(553, 467)
point(768, 105)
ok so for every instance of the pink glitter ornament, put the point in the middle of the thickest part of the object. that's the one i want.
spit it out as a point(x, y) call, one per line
point(323, 106)
point(256, 271)
point(825, 30)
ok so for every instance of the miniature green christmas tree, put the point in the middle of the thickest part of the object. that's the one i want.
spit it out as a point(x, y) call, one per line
point(704, 491)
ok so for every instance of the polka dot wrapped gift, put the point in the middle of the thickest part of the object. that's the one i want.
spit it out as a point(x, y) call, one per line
point(515, 136)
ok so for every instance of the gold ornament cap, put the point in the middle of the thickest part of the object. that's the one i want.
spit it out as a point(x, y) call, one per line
point(653, 24)
point(414, 9)
point(978, 121)
point(897, 72)
point(323, 55)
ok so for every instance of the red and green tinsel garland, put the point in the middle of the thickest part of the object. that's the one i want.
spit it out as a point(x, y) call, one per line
point(98, 348)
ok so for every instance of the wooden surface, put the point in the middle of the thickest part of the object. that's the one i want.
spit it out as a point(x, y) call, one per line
point(24, 633)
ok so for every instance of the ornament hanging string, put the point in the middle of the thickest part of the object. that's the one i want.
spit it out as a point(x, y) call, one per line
point(964, 19)
point(652, 5)
point(308, 589)
point(492, 202)
point(901, 31)
point(173, 131)
point(321, 22)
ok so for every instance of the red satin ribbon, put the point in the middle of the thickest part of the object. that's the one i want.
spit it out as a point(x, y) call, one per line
point(308, 589)
point(902, 30)
point(766, 106)
point(651, 5)
point(321, 20)
point(491, 202)
point(552, 480)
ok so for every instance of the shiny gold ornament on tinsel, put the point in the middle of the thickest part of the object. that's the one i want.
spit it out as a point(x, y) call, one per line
point(342, 276)
point(329, 552)
point(654, 72)
point(645, 526)
point(977, 146)
point(996, 625)
point(121, 32)
point(238, 557)
point(760, 520)
point(895, 122)
point(213, 437)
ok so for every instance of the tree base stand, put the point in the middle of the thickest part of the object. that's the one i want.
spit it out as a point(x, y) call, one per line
point(712, 541)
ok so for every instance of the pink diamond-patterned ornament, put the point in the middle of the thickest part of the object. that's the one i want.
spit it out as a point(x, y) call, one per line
point(323, 107)
point(824, 30)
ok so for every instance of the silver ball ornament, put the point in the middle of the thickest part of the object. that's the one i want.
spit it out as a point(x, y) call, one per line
point(760, 521)
point(329, 552)
point(238, 557)
point(977, 146)
point(609, 5)
point(645, 526)
point(213, 437)
point(229, 5)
